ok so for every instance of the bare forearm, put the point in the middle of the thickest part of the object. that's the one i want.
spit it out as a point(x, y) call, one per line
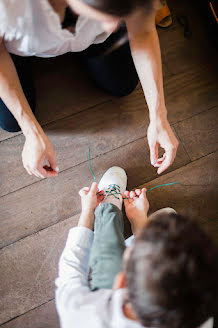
point(137, 227)
point(12, 94)
point(147, 58)
point(145, 50)
point(37, 147)
point(87, 220)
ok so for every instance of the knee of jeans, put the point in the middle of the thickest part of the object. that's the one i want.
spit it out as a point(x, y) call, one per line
point(124, 90)
point(10, 126)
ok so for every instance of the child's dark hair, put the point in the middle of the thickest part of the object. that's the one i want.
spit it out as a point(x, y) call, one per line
point(172, 274)
point(119, 8)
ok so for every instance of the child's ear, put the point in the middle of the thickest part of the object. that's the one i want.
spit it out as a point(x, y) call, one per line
point(119, 281)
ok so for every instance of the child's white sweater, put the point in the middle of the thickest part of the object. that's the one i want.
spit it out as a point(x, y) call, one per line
point(79, 307)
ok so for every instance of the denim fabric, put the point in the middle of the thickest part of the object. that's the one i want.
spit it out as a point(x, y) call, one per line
point(23, 67)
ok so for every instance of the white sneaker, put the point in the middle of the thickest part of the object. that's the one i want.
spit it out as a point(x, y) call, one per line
point(113, 181)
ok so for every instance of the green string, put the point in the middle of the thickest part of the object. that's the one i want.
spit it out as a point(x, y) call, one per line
point(90, 167)
point(113, 192)
point(163, 185)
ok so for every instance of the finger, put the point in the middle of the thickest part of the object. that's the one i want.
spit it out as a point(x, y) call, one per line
point(126, 193)
point(126, 201)
point(170, 155)
point(132, 194)
point(28, 170)
point(94, 188)
point(143, 194)
point(100, 195)
point(124, 196)
point(100, 198)
point(82, 192)
point(138, 192)
point(38, 174)
point(154, 153)
point(47, 173)
point(160, 160)
point(53, 163)
point(86, 188)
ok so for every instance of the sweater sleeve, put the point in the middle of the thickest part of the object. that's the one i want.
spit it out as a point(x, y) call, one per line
point(72, 281)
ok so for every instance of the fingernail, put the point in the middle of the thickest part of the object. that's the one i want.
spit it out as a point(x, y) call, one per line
point(57, 169)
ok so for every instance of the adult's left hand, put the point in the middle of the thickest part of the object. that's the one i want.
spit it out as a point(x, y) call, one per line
point(160, 134)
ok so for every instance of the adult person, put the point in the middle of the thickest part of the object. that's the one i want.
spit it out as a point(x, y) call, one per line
point(37, 28)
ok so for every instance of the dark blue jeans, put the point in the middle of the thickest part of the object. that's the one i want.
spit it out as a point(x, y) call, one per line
point(23, 67)
point(114, 73)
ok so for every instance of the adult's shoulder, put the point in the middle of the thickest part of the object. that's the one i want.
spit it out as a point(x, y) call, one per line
point(13, 18)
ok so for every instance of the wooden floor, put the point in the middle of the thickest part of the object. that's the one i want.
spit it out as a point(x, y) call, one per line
point(37, 214)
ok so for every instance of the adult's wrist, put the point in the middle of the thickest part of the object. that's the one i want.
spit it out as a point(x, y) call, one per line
point(27, 121)
point(32, 128)
point(159, 115)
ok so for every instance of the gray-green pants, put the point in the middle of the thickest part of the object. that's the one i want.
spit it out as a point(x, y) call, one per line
point(108, 246)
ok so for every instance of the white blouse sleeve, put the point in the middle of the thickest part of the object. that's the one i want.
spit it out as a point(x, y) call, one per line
point(14, 18)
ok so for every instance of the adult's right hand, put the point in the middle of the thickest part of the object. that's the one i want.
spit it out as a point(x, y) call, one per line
point(36, 151)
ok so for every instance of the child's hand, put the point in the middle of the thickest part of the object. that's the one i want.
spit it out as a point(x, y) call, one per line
point(136, 208)
point(89, 198)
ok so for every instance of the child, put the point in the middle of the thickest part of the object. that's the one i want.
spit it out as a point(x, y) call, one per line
point(168, 277)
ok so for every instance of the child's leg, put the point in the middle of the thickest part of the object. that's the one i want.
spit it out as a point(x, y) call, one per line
point(108, 246)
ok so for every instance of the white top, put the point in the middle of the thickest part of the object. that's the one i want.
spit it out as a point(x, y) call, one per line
point(32, 28)
point(78, 306)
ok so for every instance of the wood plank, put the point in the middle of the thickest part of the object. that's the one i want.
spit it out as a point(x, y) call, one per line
point(7, 135)
point(199, 134)
point(61, 83)
point(29, 266)
point(103, 128)
point(127, 119)
point(62, 89)
point(51, 200)
point(180, 53)
point(197, 198)
point(44, 316)
point(190, 93)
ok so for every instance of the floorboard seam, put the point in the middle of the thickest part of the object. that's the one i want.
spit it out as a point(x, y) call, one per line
point(180, 140)
point(173, 125)
point(20, 315)
point(34, 233)
point(62, 118)
point(71, 167)
point(88, 108)
point(188, 118)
